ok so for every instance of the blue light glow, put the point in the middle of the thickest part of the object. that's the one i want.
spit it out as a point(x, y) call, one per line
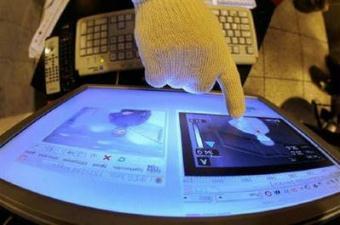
point(121, 150)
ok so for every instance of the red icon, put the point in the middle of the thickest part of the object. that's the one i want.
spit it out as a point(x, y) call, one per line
point(294, 189)
point(107, 157)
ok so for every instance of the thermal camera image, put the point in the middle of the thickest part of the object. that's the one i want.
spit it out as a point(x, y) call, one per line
point(218, 141)
point(128, 131)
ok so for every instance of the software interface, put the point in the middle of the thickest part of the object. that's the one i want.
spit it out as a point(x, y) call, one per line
point(127, 145)
point(221, 145)
point(134, 151)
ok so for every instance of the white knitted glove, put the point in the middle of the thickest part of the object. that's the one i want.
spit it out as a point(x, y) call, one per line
point(181, 44)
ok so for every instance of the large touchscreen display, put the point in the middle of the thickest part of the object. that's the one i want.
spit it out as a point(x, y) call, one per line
point(168, 154)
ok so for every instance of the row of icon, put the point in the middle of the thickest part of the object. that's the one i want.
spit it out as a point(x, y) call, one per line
point(335, 182)
point(204, 196)
point(112, 167)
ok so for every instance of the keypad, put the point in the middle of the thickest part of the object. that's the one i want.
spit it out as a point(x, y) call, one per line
point(111, 35)
point(236, 27)
point(106, 42)
point(94, 36)
point(51, 69)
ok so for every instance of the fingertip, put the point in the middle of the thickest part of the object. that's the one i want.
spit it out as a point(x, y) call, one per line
point(155, 80)
point(233, 95)
point(237, 112)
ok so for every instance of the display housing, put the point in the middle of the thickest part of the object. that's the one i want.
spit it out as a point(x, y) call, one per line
point(121, 151)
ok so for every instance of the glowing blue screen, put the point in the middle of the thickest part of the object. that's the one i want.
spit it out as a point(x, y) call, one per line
point(167, 154)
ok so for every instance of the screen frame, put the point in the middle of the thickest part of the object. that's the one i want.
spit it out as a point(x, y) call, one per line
point(46, 210)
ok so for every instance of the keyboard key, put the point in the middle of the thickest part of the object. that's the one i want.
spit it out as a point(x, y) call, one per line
point(96, 36)
point(246, 34)
point(103, 34)
point(89, 51)
point(237, 33)
point(96, 43)
point(121, 38)
point(235, 50)
point(249, 41)
point(216, 12)
point(244, 20)
point(96, 29)
point(242, 40)
point(242, 14)
point(129, 37)
point(128, 17)
point(234, 26)
point(129, 54)
point(121, 46)
point(222, 19)
point(103, 27)
point(237, 20)
point(82, 52)
point(90, 30)
point(113, 19)
point(121, 55)
point(228, 40)
point(234, 40)
point(128, 45)
point(100, 21)
point(229, 19)
point(113, 40)
point(113, 48)
point(103, 49)
point(96, 50)
point(121, 25)
point(89, 44)
point(233, 13)
point(230, 33)
point(83, 42)
point(244, 27)
point(121, 18)
point(89, 37)
point(250, 50)
point(103, 41)
point(83, 28)
point(227, 26)
point(113, 57)
point(224, 13)
point(90, 23)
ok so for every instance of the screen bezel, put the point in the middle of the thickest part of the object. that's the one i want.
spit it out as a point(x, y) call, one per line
point(46, 210)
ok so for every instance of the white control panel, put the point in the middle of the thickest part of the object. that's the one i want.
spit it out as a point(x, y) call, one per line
point(52, 70)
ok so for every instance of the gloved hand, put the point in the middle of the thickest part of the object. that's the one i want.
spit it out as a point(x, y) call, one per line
point(181, 44)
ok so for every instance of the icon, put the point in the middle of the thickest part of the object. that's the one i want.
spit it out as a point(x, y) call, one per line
point(153, 169)
point(294, 189)
point(210, 143)
point(203, 161)
point(93, 155)
point(268, 193)
point(277, 192)
point(107, 157)
point(307, 187)
point(159, 180)
point(292, 147)
point(207, 152)
point(121, 159)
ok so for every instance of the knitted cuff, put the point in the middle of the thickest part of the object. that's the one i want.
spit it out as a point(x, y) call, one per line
point(138, 2)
